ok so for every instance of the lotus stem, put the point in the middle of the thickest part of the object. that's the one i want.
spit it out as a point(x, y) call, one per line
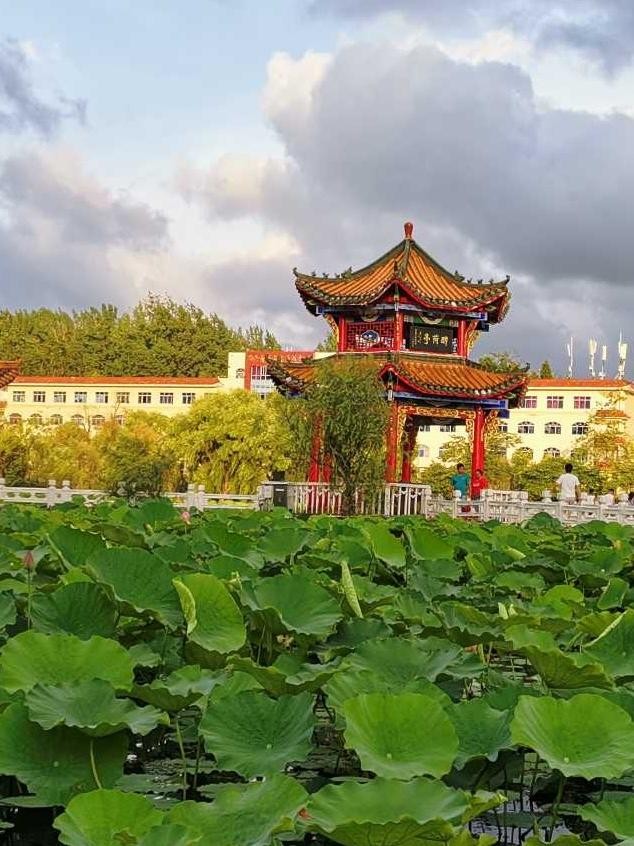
point(554, 815)
point(179, 740)
point(93, 764)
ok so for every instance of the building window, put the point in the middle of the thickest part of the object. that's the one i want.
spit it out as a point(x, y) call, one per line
point(123, 397)
point(582, 402)
point(188, 397)
point(261, 382)
point(423, 452)
point(55, 420)
point(525, 452)
point(552, 428)
point(81, 396)
point(59, 396)
point(424, 428)
point(39, 396)
point(97, 421)
point(503, 426)
point(554, 402)
point(101, 396)
point(528, 402)
point(15, 419)
point(447, 427)
point(552, 452)
point(166, 398)
point(19, 396)
point(145, 398)
point(579, 428)
point(119, 419)
point(77, 419)
point(36, 420)
point(525, 428)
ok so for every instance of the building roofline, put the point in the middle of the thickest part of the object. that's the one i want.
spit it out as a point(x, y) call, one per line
point(596, 384)
point(117, 380)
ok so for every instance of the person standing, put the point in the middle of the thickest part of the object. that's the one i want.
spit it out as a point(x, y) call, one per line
point(460, 481)
point(480, 483)
point(569, 487)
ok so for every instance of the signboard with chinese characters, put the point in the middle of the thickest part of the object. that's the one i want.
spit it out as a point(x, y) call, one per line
point(441, 339)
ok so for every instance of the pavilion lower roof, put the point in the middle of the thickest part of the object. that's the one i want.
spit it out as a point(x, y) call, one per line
point(9, 370)
point(416, 273)
point(429, 375)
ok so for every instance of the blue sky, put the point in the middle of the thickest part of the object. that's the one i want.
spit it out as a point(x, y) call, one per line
point(203, 149)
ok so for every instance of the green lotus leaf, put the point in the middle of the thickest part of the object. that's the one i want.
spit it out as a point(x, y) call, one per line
point(180, 689)
point(400, 735)
point(563, 840)
point(427, 545)
point(90, 706)
point(614, 648)
point(170, 835)
point(214, 620)
point(613, 594)
point(583, 736)
point(385, 546)
point(245, 814)
point(226, 566)
point(523, 636)
point(617, 817)
point(141, 580)
point(284, 543)
point(7, 610)
point(567, 671)
point(300, 605)
point(482, 731)
point(232, 543)
point(83, 609)
point(387, 812)
point(402, 660)
point(471, 625)
point(252, 734)
point(287, 675)
point(106, 817)
point(75, 546)
point(595, 623)
point(32, 657)
point(56, 764)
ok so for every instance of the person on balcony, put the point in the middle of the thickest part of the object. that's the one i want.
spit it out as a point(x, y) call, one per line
point(569, 486)
point(480, 483)
point(460, 481)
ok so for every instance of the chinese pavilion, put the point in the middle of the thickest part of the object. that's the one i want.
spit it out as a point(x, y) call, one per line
point(417, 322)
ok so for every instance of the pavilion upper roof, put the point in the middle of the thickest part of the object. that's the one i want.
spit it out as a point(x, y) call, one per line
point(429, 375)
point(416, 273)
point(9, 370)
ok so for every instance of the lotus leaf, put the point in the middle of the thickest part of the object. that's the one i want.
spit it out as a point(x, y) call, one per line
point(226, 566)
point(287, 674)
point(7, 610)
point(614, 648)
point(385, 546)
point(232, 543)
point(252, 734)
point(104, 817)
point(583, 736)
point(243, 815)
point(386, 812)
point(613, 594)
point(400, 735)
point(401, 660)
point(560, 670)
point(522, 636)
point(141, 580)
point(427, 545)
point(617, 817)
point(75, 546)
point(300, 605)
point(214, 620)
point(170, 835)
point(482, 731)
point(32, 657)
point(351, 682)
point(180, 689)
point(90, 706)
point(284, 543)
point(56, 764)
point(83, 609)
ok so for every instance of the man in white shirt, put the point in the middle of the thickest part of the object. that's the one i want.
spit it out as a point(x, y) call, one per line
point(568, 483)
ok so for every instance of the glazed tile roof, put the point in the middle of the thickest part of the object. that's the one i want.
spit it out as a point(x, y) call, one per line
point(431, 375)
point(117, 380)
point(416, 272)
point(9, 370)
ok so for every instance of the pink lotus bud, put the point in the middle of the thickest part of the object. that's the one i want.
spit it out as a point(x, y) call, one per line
point(303, 814)
point(28, 560)
point(186, 517)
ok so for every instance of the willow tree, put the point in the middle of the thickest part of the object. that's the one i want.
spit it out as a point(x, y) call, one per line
point(347, 402)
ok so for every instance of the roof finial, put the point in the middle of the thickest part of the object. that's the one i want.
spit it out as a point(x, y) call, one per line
point(409, 228)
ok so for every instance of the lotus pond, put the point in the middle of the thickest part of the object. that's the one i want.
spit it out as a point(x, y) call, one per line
point(240, 679)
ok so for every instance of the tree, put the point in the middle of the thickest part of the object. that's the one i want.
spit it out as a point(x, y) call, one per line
point(65, 452)
point(329, 343)
point(257, 338)
point(546, 371)
point(231, 442)
point(347, 400)
point(15, 445)
point(501, 362)
point(498, 472)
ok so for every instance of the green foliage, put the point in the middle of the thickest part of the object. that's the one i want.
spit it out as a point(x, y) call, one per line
point(501, 362)
point(15, 445)
point(159, 337)
point(546, 371)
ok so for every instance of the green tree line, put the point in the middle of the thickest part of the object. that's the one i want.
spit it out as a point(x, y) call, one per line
point(158, 337)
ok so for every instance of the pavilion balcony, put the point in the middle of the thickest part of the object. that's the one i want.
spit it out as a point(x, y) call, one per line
point(371, 337)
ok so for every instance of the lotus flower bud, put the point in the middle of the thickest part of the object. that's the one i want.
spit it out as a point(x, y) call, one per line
point(28, 560)
point(186, 517)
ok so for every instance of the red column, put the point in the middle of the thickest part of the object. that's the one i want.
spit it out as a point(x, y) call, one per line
point(462, 337)
point(392, 444)
point(409, 445)
point(315, 453)
point(477, 448)
point(341, 334)
point(326, 468)
point(398, 330)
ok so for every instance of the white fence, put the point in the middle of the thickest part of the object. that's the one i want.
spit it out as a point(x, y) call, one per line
point(405, 499)
point(194, 497)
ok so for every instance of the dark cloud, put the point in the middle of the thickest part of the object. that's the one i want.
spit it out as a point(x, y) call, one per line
point(602, 30)
point(494, 182)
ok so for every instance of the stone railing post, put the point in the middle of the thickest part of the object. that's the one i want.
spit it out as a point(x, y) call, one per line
point(66, 493)
point(547, 496)
point(190, 496)
point(387, 501)
point(51, 493)
point(455, 503)
point(201, 501)
point(3, 489)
